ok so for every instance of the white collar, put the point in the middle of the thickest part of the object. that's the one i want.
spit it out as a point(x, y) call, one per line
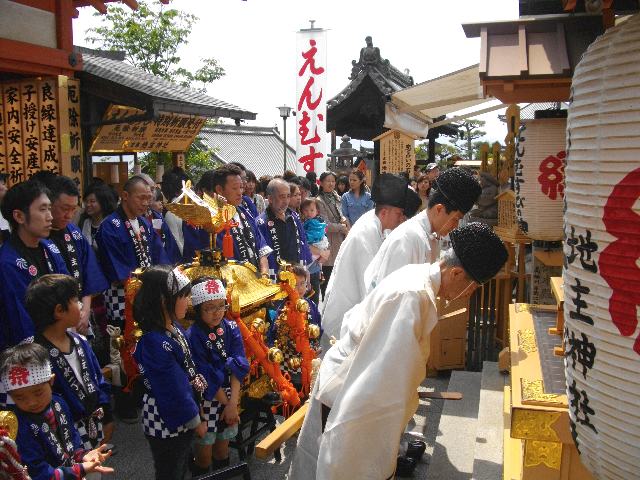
point(435, 277)
point(425, 223)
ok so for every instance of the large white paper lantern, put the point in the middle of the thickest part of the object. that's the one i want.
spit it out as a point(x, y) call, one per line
point(602, 250)
point(539, 177)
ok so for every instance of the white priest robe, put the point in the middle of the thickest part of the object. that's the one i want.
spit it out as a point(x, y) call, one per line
point(369, 379)
point(411, 242)
point(346, 286)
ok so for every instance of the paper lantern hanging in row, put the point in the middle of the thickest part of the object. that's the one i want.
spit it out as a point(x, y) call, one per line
point(539, 177)
point(602, 250)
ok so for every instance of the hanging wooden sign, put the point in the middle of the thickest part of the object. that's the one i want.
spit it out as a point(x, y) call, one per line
point(167, 133)
point(49, 138)
point(397, 152)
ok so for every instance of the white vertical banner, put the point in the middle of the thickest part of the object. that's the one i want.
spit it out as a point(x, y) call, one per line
point(311, 106)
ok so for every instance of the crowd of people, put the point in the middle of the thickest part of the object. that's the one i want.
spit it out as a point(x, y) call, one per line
point(362, 266)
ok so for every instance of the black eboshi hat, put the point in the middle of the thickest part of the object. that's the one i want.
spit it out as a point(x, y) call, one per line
point(459, 187)
point(479, 249)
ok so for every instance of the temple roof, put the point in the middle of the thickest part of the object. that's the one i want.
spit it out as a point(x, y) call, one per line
point(385, 76)
point(106, 75)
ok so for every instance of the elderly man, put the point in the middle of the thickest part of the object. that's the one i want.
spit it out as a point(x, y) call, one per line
point(366, 389)
point(395, 202)
point(281, 229)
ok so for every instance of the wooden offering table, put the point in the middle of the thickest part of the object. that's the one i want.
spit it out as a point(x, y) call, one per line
point(537, 438)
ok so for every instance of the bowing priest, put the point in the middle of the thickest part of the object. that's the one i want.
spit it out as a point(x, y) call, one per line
point(366, 388)
point(127, 241)
point(78, 255)
point(395, 202)
point(25, 256)
point(452, 195)
point(248, 243)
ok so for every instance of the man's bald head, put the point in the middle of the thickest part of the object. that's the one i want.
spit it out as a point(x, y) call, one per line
point(278, 192)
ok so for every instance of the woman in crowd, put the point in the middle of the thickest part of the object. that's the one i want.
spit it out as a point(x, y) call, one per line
point(423, 187)
point(342, 185)
point(357, 200)
point(250, 191)
point(99, 203)
point(330, 209)
point(295, 199)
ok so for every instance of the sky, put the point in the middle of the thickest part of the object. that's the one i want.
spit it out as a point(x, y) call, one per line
point(255, 42)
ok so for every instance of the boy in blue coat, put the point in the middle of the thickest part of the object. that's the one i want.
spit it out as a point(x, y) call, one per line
point(52, 301)
point(26, 256)
point(218, 352)
point(47, 440)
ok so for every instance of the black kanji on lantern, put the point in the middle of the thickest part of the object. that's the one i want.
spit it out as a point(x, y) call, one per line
point(580, 351)
point(580, 408)
point(580, 290)
point(584, 246)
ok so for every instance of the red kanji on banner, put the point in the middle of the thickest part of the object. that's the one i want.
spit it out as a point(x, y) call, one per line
point(304, 129)
point(305, 97)
point(619, 260)
point(551, 176)
point(212, 286)
point(309, 159)
point(310, 60)
point(18, 375)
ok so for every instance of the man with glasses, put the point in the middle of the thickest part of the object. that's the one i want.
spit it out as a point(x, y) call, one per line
point(366, 389)
point(78, 255)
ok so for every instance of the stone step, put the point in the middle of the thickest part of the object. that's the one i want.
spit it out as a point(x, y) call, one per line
point(452, 457)
point(487, 463)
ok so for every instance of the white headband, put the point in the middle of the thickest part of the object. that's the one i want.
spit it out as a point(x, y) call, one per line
point(180, 280)
point(207, 290)
point(20, 376)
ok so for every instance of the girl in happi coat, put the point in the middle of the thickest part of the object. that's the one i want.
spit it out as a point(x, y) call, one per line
point(173, 388)
point(219, 355)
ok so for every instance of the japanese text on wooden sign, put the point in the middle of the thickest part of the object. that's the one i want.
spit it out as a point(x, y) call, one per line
point(311, 108)
point(29, 128)
point(167, 133)
point(397, 152)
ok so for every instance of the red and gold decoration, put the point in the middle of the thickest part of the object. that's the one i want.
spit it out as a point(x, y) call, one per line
point(601, 251)
point(539, 177)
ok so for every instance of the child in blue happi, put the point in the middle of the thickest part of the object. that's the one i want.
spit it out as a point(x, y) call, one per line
point(219, 355)
point(53, 303)
point(173, 388)
point(48, 442)
point(279, 331)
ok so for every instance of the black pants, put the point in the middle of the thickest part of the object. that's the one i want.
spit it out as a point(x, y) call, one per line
point(315, 285)
point(326, 272)
point(171, 455)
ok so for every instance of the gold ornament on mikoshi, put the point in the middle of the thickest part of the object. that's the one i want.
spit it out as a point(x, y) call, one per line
point(9, 423)
point(313, 330)
point(294, 363)
point(302, 305)
point(275, 355)
point(259, 325)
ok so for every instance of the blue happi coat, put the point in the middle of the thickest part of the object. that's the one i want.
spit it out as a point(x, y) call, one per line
point(93, 280)
point(194, 239)
point(262, 223)
point(248, 204)
point(160, 361)
point(261, 247)
point(15, 276)
point(210, 362)
point(64, 389)
point(168, 241)
point(37, 452)
point(116, 250)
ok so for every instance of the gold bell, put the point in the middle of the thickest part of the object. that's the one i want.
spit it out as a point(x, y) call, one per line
point(137, 334)
point(9, 423)
point(118, 342)
point(275, 355)
point(313, 330)
point(294, 363)
point(259, 325)
point(302, 305)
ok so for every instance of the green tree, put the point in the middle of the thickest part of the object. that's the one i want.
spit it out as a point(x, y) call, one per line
point(151, 38)
point(470, 130)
